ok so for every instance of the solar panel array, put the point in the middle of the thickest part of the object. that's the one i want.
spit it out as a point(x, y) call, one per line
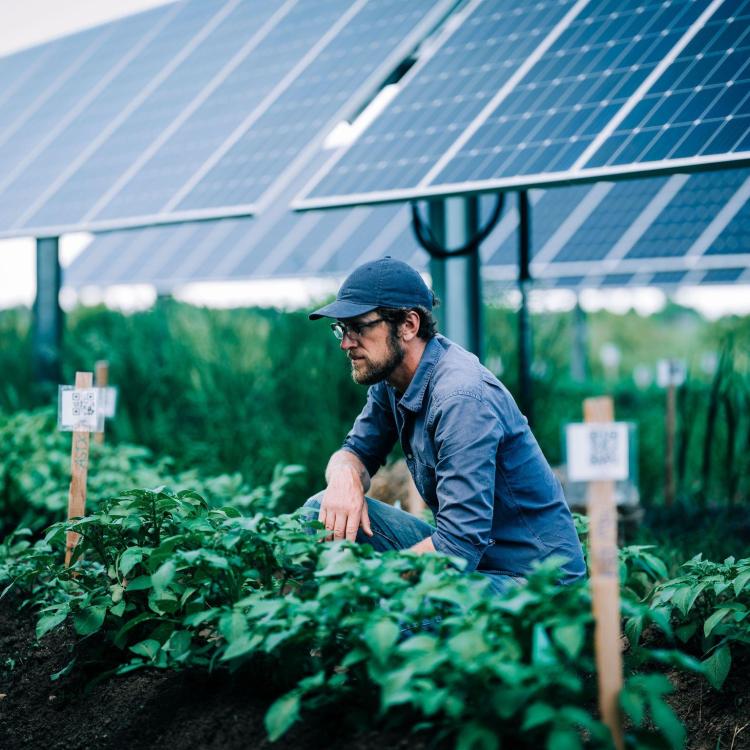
point(658, 231)
point(601, 88)
point(194, 109)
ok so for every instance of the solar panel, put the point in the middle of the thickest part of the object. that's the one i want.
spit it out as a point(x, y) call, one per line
point(307, 102)
point(199, 110)
point(444, 95)
point(641, 232)
point(103, 79)
point(698, 106)
point(612, 89)
point(277, 244)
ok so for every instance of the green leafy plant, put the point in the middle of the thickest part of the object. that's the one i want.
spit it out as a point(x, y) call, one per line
point(35, 475)
point(163, 580)
point(709, 609)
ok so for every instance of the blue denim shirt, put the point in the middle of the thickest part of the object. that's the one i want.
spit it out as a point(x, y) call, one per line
point(475, 462)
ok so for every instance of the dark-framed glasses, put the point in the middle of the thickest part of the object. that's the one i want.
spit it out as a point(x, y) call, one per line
point(353, 329)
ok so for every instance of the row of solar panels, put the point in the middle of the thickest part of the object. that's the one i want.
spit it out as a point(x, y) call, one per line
point(202, 110)
point(662, 231)
point(206, 109)
point(197, 108)
point(528, 94)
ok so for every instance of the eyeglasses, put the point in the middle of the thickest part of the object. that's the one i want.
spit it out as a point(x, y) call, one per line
point(353, 330)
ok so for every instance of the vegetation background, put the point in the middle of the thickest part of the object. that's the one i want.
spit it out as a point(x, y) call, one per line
point(246, 389)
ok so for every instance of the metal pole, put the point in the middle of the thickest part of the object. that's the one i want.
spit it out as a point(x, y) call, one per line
point(48, 320)
point(578, 359)
point(457, 281)
point(524, 323)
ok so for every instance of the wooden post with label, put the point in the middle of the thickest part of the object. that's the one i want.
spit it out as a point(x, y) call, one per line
point(79, 459)
point(605, 583)
point(101, 380)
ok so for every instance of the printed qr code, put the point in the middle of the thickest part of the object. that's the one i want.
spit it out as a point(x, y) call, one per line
point(603, 447)
point(84, 404)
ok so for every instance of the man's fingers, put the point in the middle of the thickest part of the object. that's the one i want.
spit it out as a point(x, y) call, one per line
point(352, 525)
point(339, 526)
point(365, 520)
point(327, 519)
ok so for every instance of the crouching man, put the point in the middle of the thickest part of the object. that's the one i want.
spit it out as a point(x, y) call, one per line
point(471, 453)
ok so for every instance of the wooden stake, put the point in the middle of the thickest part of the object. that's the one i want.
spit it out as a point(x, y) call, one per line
point(79, 463)
point(101, 380)
point(669, 488)
point(605, 583)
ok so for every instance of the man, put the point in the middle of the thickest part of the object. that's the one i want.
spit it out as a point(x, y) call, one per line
point(474, 460)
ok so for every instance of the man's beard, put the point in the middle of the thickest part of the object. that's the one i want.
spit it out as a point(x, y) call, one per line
point(375, 372)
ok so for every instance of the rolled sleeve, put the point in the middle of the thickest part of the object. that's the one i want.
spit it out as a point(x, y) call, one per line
point(374, 431)
point(467, 435)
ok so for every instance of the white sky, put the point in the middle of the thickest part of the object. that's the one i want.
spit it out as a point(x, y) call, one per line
point(24, 23)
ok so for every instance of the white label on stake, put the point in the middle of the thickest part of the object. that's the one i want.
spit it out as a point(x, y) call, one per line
point(597, 451)
point(109, 402)
point(79, 409)
point(670, 372)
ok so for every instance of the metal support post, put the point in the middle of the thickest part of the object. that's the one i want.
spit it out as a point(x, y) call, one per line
point(524, 323)
point(48, 320)
point(579, 358)
point(457, 281)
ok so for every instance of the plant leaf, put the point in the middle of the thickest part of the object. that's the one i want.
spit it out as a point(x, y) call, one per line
point(47, 622)
point(714, 620)
point(89, 620)
point(282, 714)
point(717, 666)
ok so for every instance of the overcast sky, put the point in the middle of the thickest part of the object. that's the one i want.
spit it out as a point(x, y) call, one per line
point(24, 23)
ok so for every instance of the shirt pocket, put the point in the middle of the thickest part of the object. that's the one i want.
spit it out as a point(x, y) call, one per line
point(425, 479)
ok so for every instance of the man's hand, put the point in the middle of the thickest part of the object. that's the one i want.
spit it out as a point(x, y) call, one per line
point(344, 508)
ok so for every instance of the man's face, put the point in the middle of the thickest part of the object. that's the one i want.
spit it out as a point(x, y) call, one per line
point(375, 352)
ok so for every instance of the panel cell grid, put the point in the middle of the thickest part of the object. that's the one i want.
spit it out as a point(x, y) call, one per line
point(224, 110)
point(685, 217)
point(667, 278)
point(110, 109)
point(245, 172)
point(609, 221)
point(699, 106)
point(87, 190)
point(575, 89)
point(723, 275)
point(446, 95)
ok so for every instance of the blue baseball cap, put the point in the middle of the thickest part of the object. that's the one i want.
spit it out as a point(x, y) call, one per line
point(379, 283)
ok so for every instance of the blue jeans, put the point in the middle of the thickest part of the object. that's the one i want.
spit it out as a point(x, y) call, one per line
point(394, 529)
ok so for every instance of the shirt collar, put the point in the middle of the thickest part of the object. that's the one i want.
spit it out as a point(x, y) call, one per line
point(414, 395)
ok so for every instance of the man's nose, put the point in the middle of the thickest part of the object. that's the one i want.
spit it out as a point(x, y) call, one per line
point(347, 343)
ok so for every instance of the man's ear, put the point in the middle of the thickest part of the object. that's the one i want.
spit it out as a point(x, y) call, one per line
point(410, 326)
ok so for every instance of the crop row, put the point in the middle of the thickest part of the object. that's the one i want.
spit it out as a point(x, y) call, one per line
point(164, 580)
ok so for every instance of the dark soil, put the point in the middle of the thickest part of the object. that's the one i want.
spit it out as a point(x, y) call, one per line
point(715, 720)
point(145, 709)
point(192, 710)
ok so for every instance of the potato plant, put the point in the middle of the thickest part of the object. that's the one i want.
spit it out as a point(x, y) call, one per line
point(163, 580)
point(708, 610)
point(35, 474)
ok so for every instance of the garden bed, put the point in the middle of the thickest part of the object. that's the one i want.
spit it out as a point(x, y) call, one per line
point(190, 709)
point(147, 709)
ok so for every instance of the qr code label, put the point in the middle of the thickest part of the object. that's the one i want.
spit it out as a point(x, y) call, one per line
point(80, 409)
point(84, 403)
point(603, 447)
point(597, 451)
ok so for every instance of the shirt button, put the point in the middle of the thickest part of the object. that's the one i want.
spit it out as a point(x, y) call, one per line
point(410, 457)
